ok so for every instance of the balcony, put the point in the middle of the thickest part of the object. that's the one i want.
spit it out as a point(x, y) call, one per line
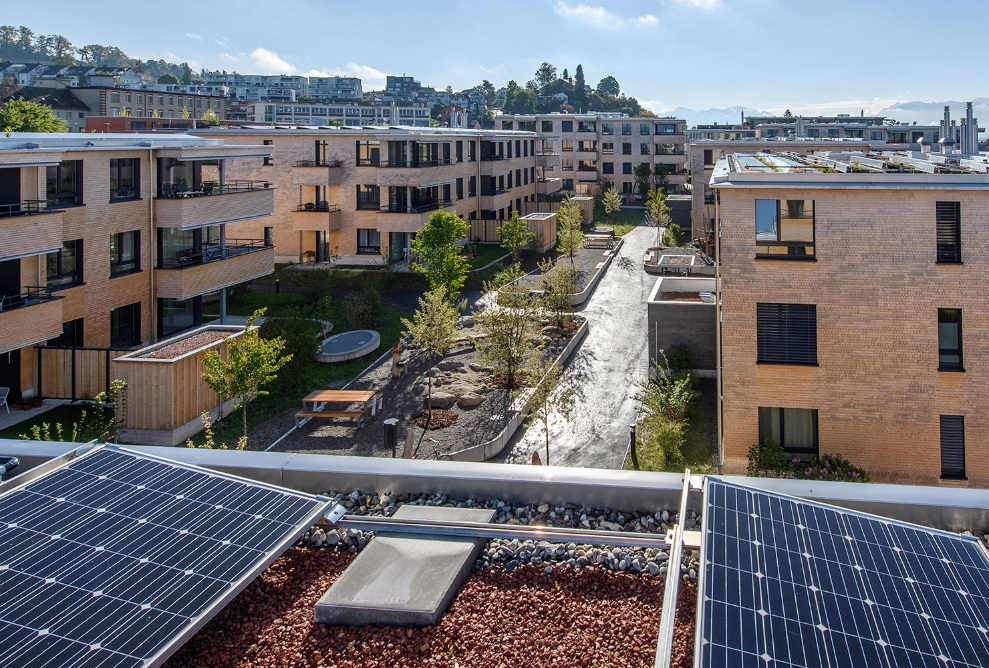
point(231, 201)
point(196, 271)
point(417, 163)
point(546, 186)
point(26, 229)
point(547, 159)
point(421, 207)
point(317, 173)
point(28, 318)
point(316, 217)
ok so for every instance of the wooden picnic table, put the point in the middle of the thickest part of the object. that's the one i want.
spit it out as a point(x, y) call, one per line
point(370, 400)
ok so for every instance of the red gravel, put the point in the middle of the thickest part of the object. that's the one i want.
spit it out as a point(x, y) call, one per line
point(186, 345)
point(523, 618)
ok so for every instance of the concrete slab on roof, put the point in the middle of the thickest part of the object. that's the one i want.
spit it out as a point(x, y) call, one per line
point(403, 580)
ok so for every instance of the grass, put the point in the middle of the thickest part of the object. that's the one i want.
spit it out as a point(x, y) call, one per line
point(378, 277)
point(622, 221)
point(67, 415)
point(313, 375)
point(699, 436)
point(486, 254)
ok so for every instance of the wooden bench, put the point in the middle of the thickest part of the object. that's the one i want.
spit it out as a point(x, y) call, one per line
point(598, 241)
point(352, 415)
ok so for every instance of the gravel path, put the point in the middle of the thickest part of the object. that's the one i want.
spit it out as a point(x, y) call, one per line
point(605, 371)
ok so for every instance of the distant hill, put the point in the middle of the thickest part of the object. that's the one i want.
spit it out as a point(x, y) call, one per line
point(931, 113)
point(727, 116)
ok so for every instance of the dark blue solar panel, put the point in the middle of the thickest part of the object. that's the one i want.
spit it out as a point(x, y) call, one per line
point(787, 582)
point(105, 561)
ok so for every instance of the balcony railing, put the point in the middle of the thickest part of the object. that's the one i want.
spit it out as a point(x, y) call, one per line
point(199, 255)
point(416, 208)
point(489, 158)
point(316, 207)
point(418, 163)
point(368, 162)
point(32, 295)
point(178, 190)
point(317, 163)
point(25, 208)
point(491, 192)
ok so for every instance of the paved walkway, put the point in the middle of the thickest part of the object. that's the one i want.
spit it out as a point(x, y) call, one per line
point(605, 371)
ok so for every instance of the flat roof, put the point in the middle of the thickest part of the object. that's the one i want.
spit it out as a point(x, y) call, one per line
point(406, 130)
point(81, 140)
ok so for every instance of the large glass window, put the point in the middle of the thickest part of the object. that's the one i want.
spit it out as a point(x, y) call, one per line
point(71, 336)
point(949, 231)
point(125, 326)
point(368, 241)
point(784, 229)
point(368, 198)
point(794, 429)
point(125, 253)
point(125, 179)
point(566, 126)
point(64, 267)
point(368, 152)
point(547, 126)
point(63, 184)
point(949, 339)
point(786, 333)
point(626, 128)
point(607, 128)
point(666, 128)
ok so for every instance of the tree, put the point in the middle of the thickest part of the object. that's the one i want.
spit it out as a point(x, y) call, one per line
point(24, 116)
point(490, 94)
point(579, 84)
point(608, 86)
point(559, 282)
point(548, 395)
point(168, 78)
point(545, 75)
point(514, 235)
point(432, 329)
point(510, 335)
point(251, 362)
point(643, 179)
point(611, 201)
point(657, 212)
point(569, 236)
point(659, 176)
point(787, 114)
point(443, 262)
point(186, 74)
point(565, 74)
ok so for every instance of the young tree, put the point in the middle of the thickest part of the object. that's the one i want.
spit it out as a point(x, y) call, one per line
point(548, 395)
point(566, 75)
point(514, 235)
point(545, 75)
point(611, 201)
point(443, 261)
point(559, 281)
point(643, 179)
point(578, 83)
point(657, 212)
point(250, 363)
point(569, 236)
point(432, 329)
point(511, 339)
point(23, 116)
point(659, 176)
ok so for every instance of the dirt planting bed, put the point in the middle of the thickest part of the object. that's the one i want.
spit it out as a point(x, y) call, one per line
point(184, 346)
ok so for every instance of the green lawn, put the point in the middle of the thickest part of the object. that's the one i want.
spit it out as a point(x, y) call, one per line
point(699, 438)
point(378, 277)
point(486, 254)
point(67, 415)
point(622, 221)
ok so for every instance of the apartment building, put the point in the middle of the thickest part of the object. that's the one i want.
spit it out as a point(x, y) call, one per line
point(64, 105)
point(606, 145)
point(854, 310)
point(414, 114)
point(108, 101)
point(109, 241)
point(281, 87)
point(334, 88)
point(361, 194)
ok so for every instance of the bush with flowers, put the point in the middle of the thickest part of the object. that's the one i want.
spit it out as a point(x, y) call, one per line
point(767, 460)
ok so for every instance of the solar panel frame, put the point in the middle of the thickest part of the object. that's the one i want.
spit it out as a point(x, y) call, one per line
point(159, 627)
point(851, 630)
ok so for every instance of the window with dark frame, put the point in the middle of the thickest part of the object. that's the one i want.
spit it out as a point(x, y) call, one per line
point(784, 229)
point(125, 179)
point(63, 184)
point(368, 241)
point(64, 267)
point(566, 126)
point(71, 336)
point(793, 429)
point(268, 159)
point(368, 197)
point(948, 217)
point(953, 447)
point(125, 326)
point(786, 333)
point(125, 253)
point(949, 339)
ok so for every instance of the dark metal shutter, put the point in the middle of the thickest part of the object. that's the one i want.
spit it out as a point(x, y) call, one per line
point(949, 223)
point(952, 446)
point(786, 333)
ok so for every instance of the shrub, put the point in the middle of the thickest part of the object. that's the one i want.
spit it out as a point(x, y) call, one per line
point(510, 273)
point(360, 309)
point(678, 361)
point(667, 438)
point(767, 460)
point(673, 235)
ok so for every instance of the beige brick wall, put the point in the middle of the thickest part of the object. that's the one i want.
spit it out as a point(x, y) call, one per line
point(877, 289)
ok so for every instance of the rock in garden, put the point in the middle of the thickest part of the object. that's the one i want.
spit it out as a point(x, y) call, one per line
point(442, 400)
point(450, 365)
point(552, 332)
point(474, 366)
point(470, 400)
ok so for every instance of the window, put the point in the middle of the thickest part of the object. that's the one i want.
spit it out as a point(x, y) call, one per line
point(666, 128)
point(63, 184)
point(460, 188)
point(953, 447)
point(607, 147)
point(506, 125)
point(471, 151)
point(547, 126)
point(267, 158)
point(568, 184)
point(566, 164)
point(566, 126)
point(949, 339)
point(948, 217)
point(125, 253)
point(643, 128)
point(586, 126)
point(368, 198)
point(64, 267)
point(368, 241)
point(567, 144)
point(626, 128)
point(813, 133)
point(471, 186)
point(784, 229)
point(607, 128)
point(460, 151)
point(832, 133)
point(626, 168)
point(794, 429)
point(368, 153)
point(786, 333)
point(125, 326)
point(876, 135)
point(644, 148)
point(71, 336)
point(125, 179)
point(115, 97)
point(126, 97)
point(607, 168)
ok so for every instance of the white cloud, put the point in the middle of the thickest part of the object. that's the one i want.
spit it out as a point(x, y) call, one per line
point(269, 61)
point(600, 17)
point(655, 106)
point(192, 35)
point(221, 40)
point(870, 107)
point(705, 5)
point(317, 73)
point(226, 57)
point(369, 76)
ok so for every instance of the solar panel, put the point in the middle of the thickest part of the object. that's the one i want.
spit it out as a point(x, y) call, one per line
point(789, 582)
point(114, 559)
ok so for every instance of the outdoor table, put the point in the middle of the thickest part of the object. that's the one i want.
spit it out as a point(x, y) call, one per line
point(369, 398)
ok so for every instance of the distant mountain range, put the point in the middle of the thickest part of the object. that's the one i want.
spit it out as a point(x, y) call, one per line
point(922, 113)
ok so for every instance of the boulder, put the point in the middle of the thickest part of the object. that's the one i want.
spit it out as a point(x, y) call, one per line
point(470, 400)
point(553, 332)
point(441, 400)
point(450, 365)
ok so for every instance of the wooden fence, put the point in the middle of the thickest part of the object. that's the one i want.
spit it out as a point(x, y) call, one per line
point(75, 373)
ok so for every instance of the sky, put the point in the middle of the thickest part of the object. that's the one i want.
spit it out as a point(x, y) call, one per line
point(839, 56)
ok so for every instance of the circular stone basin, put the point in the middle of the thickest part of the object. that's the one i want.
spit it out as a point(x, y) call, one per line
point(348, 346)
point(603, 229)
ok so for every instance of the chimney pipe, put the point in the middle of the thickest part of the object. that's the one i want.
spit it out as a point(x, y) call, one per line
point(972, 145)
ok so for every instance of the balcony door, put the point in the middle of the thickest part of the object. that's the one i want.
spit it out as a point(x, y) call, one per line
point(10, 281)
point(10, 373)
point(10, 190)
